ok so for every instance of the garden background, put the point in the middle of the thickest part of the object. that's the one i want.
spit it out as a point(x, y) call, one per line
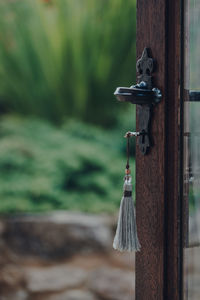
point(62, 147)
point(61, 129)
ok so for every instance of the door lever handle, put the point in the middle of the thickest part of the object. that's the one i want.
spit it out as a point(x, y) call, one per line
point(132, 133)
point(145, 96)
point(138, 94)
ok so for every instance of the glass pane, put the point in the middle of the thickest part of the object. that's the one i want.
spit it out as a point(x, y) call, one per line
point(192, 151)
point(192, 196)
point(192, 44)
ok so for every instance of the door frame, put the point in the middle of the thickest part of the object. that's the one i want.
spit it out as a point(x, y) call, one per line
point(159, 174)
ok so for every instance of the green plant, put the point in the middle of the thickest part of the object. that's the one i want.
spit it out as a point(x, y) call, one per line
point(65, 58)
point(77, 167)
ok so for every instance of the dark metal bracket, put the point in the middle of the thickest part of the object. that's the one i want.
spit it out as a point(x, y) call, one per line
point(144, 95)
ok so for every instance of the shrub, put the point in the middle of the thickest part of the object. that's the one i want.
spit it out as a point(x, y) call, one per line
point(78, 167)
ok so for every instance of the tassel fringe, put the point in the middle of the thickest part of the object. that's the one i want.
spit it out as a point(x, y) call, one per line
point(126, 238)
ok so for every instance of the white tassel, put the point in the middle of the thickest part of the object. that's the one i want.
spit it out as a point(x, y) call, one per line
point(126, 238)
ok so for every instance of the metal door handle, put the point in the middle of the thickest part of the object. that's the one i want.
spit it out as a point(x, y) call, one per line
point(145, 96)
point(138, 94)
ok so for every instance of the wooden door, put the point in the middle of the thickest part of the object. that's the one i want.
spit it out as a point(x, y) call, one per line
point(158, 174)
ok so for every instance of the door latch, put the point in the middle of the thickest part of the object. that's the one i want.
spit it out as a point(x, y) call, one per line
point(144, 95)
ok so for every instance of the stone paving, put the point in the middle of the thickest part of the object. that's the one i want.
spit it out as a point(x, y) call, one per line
point(63, 256)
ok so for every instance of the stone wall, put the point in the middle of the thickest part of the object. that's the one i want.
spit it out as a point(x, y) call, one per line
point(62, 256)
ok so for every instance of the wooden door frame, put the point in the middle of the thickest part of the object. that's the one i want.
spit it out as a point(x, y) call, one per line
point(158, 174)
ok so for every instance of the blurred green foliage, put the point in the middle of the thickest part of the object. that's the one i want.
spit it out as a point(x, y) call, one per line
point(61, 60)
point(64, 58)
point(76, 167)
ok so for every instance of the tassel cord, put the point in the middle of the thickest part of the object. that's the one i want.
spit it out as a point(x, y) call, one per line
point(128, 150)
point(126, 238)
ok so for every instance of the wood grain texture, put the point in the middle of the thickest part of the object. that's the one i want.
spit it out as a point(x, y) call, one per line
point(157, 174)
point(150, 169)
point(174, 148)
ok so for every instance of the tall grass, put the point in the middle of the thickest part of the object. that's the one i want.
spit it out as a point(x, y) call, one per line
point(64, 58)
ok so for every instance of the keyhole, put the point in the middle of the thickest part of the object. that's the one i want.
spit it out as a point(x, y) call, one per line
point(143, 138)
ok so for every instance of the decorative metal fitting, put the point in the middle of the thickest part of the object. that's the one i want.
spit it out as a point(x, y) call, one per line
point(144, 95)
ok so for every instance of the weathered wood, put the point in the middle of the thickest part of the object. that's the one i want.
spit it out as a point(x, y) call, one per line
point(157, 174)
point(174, 163)
point(150, 182)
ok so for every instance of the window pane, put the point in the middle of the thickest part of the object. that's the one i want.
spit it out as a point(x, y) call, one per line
point(192, 44)
point(191, 199)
